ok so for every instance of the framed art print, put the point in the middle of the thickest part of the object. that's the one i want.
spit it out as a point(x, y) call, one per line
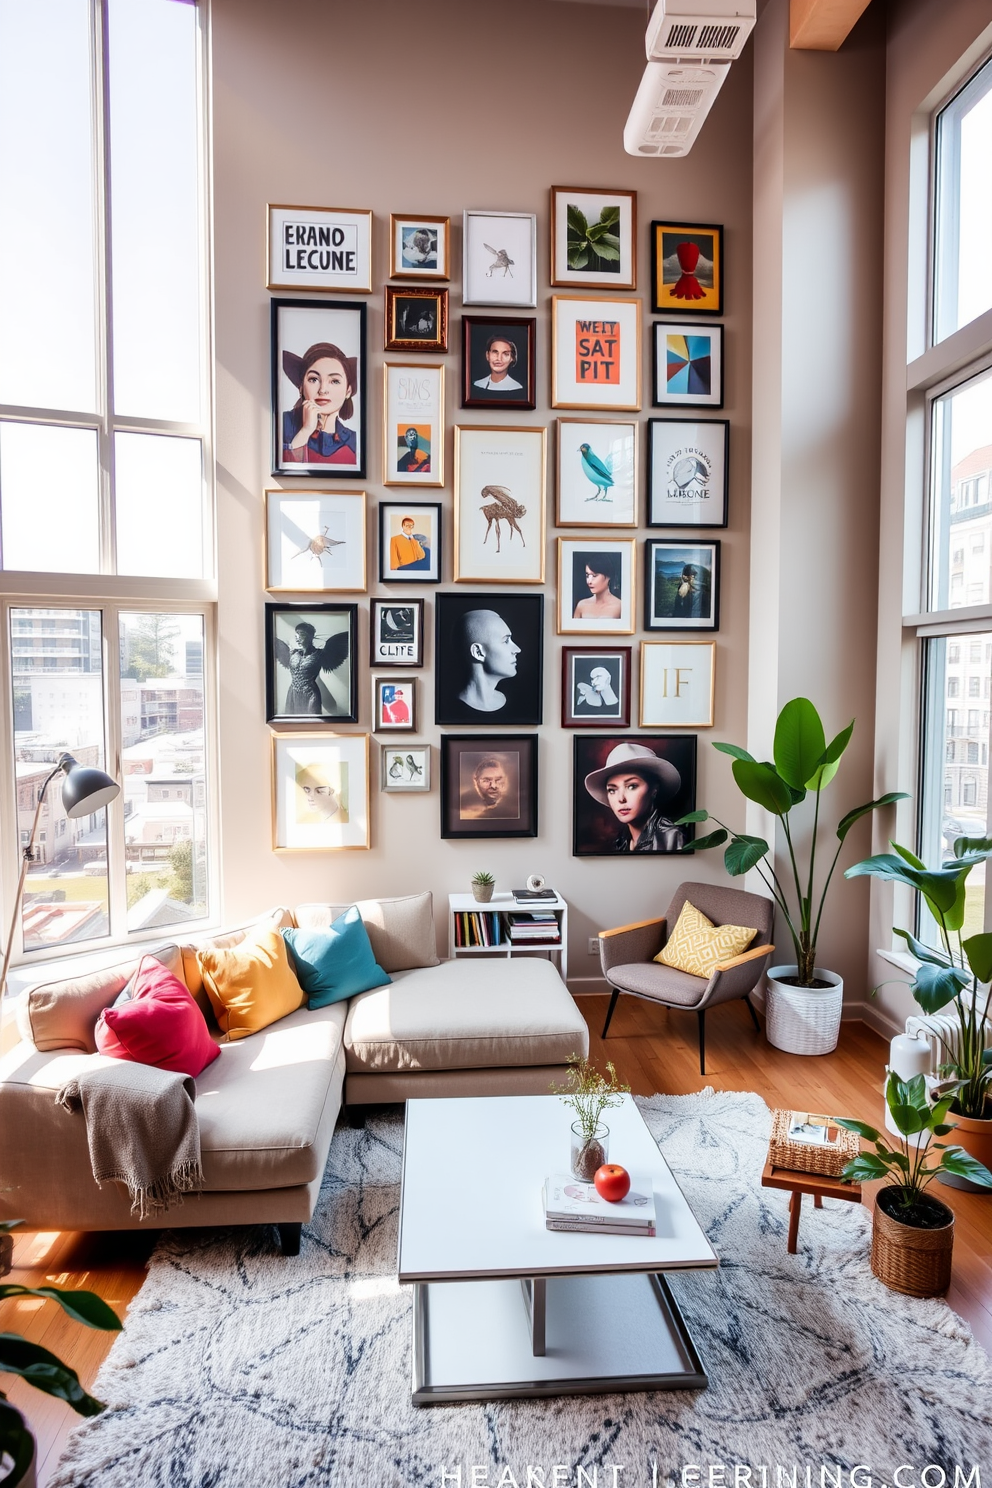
point(320, 248)
point(678, 684)
point(686, 268)
point(499, 253)
point(593, 238)
point(320, 792)
point(318, 388)
point(409, 542)
point(315, 540)
point(311, 663)
point(688, 472)
point(595, 353)
point(688, 364)
point(681, 584)
point(489, 785)
point(596, 585)
point(498, 362)
point(412, 424)
point(488, 663)
point(596, 461)
point(595, 686)
point(499, 505)
point(394, 704)
point(406, 767)
point(419, 247)
point(396, 632)
point(629, 790)
point(416, 319)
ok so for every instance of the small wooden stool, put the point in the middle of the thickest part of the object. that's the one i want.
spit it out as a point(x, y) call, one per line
point(817, 1184)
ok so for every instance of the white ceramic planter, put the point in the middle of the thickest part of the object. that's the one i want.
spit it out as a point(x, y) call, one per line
point(803, 1020)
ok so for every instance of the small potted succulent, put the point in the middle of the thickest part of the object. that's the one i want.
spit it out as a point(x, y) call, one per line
point(483, 884)
point(912, 1232)
point(590, 1094)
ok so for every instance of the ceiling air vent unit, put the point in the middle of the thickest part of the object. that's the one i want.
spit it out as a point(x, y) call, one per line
point(670, 106)
point(699, 30)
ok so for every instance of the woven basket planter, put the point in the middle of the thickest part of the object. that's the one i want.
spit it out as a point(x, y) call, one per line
point(906, 1259)
point(803, 1020)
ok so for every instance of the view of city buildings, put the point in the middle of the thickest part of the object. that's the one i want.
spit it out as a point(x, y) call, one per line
point(968, 683)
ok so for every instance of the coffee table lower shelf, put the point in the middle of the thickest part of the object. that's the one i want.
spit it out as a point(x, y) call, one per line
point(619, 1331)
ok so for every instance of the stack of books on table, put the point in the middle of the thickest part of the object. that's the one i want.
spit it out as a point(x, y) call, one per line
point(539, 928)
point(571, 1205)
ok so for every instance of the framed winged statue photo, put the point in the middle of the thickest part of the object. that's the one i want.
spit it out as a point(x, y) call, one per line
point(311, 663)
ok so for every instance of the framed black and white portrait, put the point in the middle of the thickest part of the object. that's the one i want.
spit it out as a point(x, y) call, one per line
point(629, 790)
point(396, 632)
point(498, 362)
point(595, 686)
point(318, 388)
point(311, 662)
point(488, 661)
point(489, 785)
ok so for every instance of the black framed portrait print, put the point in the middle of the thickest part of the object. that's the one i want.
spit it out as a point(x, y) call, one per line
point(629, 790)
point(488, 663)
point(498, 362)
point(311, 662)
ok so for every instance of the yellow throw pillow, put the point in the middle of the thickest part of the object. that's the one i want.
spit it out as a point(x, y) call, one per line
point(251, 984)
point(698, 946)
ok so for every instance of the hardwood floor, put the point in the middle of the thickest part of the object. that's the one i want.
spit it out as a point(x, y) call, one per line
point(653, 1050)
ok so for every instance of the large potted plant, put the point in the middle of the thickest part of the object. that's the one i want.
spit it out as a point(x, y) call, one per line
point(803, 1001)
point(912, 1232)
point(951, 975)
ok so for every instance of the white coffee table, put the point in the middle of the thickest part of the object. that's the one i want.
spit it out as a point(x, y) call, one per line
point(505, 1308)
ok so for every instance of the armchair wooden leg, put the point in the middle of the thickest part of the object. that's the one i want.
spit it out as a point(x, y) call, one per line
point(750, 1008)
point(613, 1002)
point(701, 1015)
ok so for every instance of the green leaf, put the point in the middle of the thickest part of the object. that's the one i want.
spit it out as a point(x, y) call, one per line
point(762, 784)
point(799, 742)
point(606, 251)
point(861, 1127)
point(909, 857)
point(692, 816)
point(46, 1372)
point(864, 1168)
point(714, 839)
point(830, 762)
point(979, 847)
point(578, 258)
point(935, 986)
point(82, 1307)
point(978, 949)
point(938, 886)
point(610, 216)
point(735, 750)
point(956, 1160)
point(743, 853)
point(921, 951)
point(576, 221)
point(848, 821)
point(907, 1118)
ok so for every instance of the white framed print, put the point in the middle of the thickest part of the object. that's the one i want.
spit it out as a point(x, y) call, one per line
point(406, 767)
point(678, 684)
point(320, 248)
point(687, 472)
point(593, 238)
point(595, 353)
point(596, 468)
point(412, 424)
point(688, 364)
point(499, 253)
point(320, 792)
point(499, 504)
point(315, 541)
point(419, 247)
point(596, 585)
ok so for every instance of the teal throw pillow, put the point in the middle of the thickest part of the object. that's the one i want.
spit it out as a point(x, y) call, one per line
point(336, 963)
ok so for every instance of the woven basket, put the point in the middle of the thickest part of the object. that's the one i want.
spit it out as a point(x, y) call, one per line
point(801, 1157)
point(803, 1020)
point(917, 1262)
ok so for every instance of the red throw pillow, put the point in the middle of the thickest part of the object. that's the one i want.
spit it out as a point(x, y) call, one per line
point(161, 1025)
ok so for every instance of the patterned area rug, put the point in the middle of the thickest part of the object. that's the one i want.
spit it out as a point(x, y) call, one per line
point(241, 1369)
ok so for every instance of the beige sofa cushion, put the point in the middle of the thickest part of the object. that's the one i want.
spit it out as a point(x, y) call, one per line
point(63, 1014)
point(401, 930)
point(465, 1014)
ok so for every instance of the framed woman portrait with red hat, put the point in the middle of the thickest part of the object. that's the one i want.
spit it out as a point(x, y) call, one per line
point(687, 268)
point(630, 792)
point(318, 388)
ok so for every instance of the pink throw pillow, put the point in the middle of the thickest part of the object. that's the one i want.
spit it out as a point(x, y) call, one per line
point(161, 1025)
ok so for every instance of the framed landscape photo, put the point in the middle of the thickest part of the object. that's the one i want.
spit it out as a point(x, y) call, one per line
point(681, 584)
point(499, 504)
point(394, 704)
point(406, 767)
point(416, 319)
point(320, 248)
point(629, 790)
point(596, 585)
point(318, 388)
point(686, 268)
point(688, 364)
point(678, 684)
point(409, 542)
point(489, 785)
point(311, 663)
point(688, 463)
point(320, 792)
point(498, 362)
point(499, 258)
point(315, 540)
point(596, 462)
point(595, 686)
point(396, 632)
point(489, 658)
point(593, 238)
point(419, 247)
point(595, 353)
point(412, 424)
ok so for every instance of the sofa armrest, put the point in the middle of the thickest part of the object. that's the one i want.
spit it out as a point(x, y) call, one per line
point(640, 941)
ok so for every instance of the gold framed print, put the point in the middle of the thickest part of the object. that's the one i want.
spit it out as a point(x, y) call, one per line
point(499, 504)
point(320, 792)
point(678, 684)
point(595, 353)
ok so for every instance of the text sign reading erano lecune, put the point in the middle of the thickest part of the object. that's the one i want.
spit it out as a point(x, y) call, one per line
point(322, 248)
point(597, 352)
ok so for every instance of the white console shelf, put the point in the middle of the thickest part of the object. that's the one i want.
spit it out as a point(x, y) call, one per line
point(505, 905)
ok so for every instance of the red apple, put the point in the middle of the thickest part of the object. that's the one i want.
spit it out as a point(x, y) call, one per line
point(612, 1182)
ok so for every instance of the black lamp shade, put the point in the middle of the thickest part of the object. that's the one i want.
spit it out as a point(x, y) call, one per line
point(86, 789)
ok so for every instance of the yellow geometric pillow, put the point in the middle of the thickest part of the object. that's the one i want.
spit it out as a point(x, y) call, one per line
point(698, 946)
point(251, 984)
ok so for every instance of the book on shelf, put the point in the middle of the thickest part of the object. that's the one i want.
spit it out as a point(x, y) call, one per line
point(478, 930)
point(530, 896)
point(569, 1201)
point(534, 927)
point(576, 1227)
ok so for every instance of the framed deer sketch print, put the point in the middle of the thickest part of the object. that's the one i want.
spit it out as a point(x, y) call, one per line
point(499, 505)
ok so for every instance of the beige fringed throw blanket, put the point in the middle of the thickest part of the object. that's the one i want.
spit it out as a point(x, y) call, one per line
point(142, 1131)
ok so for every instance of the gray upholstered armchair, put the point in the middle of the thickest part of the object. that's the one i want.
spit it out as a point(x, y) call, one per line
point(627, 956)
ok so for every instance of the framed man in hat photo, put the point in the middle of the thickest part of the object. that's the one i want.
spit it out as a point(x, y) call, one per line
point(318, 384)
point(630, 792)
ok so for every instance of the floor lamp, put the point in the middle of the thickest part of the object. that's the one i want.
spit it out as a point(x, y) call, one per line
point(84, 790)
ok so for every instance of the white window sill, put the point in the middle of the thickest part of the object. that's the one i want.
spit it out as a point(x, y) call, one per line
point(902, 959)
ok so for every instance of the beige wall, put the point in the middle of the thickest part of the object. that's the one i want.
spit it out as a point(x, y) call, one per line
point(481, 106)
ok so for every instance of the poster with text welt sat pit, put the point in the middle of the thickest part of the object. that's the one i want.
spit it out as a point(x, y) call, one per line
point(595, 353)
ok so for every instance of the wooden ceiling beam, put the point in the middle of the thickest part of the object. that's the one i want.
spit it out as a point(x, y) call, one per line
point(823, 25)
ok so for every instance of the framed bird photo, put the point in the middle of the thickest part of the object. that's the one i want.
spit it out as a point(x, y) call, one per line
point(410, 542)
point(406, 767)
point(498, 362)
point(412, 424)
point(688, 364)
point(499, 252)
point(315, 540)
point(595, 354)
point(419, 247)
point(686, 268)
point(499, 505)
point(396, 632)
point(687, 472)
point(596, 463)
point(416, 319)
point(593, 238)
point(311, 663)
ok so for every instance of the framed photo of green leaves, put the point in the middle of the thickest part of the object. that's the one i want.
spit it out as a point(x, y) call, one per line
point(593, 237)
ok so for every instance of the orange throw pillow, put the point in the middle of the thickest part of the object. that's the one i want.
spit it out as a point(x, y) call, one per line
point(250, 985)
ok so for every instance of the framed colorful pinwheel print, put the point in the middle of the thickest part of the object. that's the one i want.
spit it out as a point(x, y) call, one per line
point(688, 364)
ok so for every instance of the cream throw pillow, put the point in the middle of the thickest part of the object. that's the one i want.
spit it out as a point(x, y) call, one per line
point(698, 946)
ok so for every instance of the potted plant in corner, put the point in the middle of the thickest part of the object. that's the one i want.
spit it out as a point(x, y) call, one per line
point(912, 1232)
point(803, 1001)
point(952, 974)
